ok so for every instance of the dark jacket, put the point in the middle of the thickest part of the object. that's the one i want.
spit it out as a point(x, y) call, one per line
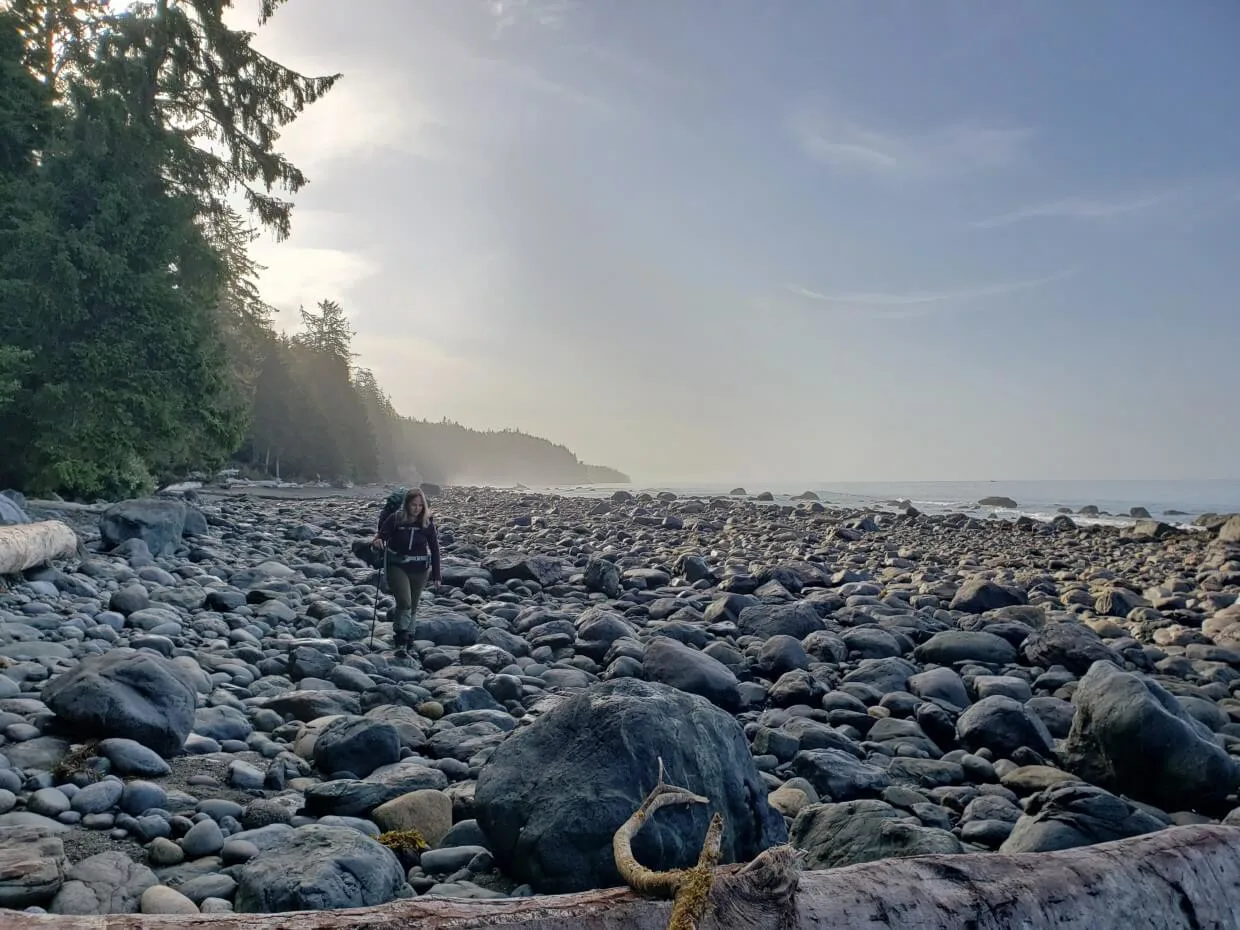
point(411, 541)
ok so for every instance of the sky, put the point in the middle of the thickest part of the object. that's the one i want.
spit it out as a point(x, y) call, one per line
point(784, 240)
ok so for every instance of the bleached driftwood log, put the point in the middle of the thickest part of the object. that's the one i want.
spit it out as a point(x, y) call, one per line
point(26, 545)
point(1182, 878)
point(64, 506)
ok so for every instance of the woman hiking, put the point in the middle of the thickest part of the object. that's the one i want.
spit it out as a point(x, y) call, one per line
point(412, 557)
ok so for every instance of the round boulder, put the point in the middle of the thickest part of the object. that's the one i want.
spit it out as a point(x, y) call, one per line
point(129, 694)
point(356, 744)
point(318, 869)
point(554, 793)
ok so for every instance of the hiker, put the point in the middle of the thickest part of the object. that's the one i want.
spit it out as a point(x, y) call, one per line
point(412, 557)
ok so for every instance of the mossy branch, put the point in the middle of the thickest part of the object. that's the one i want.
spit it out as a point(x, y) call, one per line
point(768, 882)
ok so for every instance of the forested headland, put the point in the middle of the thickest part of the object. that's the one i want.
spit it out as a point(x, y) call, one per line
point(138, 162)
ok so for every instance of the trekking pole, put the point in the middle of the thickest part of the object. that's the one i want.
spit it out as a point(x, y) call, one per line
point(374, 619)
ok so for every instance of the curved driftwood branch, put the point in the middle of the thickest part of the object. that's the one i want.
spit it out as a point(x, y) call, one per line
point(769, 882)
point(26, 545)
point(1181, 878)
point(636, 875)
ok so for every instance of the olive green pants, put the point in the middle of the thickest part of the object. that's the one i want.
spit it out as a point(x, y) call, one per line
point(406, 585)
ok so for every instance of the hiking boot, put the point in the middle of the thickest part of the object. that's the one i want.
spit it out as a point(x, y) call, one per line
point(401, 642)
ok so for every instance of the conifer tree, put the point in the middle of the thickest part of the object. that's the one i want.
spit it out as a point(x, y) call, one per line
point(184, 69)
point(108, 286)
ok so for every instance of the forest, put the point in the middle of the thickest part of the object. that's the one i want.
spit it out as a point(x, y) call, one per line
point(138, 162)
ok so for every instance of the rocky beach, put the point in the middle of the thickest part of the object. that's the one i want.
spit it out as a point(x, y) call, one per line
point(194, 719)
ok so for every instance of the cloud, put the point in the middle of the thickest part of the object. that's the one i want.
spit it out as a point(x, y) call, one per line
point(944, 151)
point(542, 14)
point(920, 303)
point(369, 111)
point(1078, 208)
point(296, 276)
point(507, 74)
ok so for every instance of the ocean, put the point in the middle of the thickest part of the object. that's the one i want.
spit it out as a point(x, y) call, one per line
point(1175, 502)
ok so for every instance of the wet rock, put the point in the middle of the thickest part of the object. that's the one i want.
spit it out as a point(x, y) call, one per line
point(953, 646)
point(1074, 646)
point(159, 523)
point(106, 883)
point(672, 663)
point(354, 798)
point(1131, 736)
point(978, 595)
point(1071, 815)
point(356, 744)
point(32, 866)
point(319, 868)
point(835, 835)
point(127, 694)
point(1002, 725)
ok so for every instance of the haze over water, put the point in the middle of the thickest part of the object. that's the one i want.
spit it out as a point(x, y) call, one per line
point(1041, 499)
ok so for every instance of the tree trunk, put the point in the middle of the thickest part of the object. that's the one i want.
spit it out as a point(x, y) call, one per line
point(1182, 878)
point(29, 544)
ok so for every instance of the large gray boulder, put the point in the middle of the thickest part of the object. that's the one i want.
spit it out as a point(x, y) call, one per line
point(32, 862)
point(1131, 736)
point(1067, 816)
point(1003, 725)
point(158, 522)
point(952, 646)
point(11, 511)
point(554, 793)
point(1073, 645)
point(126, 693)
point(357, 798)
point(797, 620)
point(687, 669)
point(834, 835)
point(510, 565)
point(105, 883)
point(358, 745)
point(318, 869)
point(978, 595)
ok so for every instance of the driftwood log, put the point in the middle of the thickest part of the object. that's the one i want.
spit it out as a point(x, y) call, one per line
point(26, 545)
point(1181, 878)
point(64, 506)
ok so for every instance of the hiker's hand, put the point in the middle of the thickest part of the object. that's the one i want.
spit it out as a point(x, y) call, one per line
point(377, 542)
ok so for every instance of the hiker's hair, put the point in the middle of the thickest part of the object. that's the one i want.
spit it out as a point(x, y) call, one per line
point(406, 512)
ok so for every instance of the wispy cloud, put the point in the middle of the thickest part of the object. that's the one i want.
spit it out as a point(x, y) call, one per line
point(295, 276)
point(1078, 208)
point(370, 111)
point(542, 14)
point(508, 73)
point(960, 148)
point(920, 303)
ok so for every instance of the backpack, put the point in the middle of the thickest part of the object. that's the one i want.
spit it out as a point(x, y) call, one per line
point(392, 504)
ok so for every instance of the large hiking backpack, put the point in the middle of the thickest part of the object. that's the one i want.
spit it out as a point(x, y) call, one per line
point(392, 504)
